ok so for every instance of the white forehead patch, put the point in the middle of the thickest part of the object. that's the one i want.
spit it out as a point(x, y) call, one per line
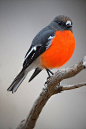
point(68, 23)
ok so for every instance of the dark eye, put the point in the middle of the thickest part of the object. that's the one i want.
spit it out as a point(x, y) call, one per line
point(60, 23)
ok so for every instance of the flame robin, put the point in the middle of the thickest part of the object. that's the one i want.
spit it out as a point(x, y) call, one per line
point(51, 48)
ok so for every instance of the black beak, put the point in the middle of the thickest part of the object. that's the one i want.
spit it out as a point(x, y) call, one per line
point(69, 25)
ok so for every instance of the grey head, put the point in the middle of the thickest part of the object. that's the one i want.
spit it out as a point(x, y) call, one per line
point(61, 22)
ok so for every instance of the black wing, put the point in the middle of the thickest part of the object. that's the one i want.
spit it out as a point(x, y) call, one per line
point(36, 72)
point(39, 44)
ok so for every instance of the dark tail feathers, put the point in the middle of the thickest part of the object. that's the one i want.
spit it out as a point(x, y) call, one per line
point(17, 81)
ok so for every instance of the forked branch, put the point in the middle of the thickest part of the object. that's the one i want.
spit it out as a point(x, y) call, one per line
point(51, 89)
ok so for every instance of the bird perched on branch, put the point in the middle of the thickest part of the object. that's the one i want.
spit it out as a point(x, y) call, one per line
point(51, 48)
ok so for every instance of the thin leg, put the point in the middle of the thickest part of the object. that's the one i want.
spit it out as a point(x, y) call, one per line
point(48, 71)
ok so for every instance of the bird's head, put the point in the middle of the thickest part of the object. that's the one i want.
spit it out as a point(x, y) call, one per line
point(62, 22)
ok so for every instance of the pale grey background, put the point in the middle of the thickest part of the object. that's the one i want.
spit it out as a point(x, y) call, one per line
point(20, 21)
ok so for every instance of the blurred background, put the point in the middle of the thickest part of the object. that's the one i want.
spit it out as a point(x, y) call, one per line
point(20, 21)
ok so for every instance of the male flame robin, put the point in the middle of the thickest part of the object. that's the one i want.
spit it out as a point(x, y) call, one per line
point(51, 48)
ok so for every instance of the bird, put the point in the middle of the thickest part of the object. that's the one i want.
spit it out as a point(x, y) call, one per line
point(51, 48)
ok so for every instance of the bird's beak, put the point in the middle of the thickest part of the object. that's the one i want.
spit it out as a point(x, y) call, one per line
point(69, 25)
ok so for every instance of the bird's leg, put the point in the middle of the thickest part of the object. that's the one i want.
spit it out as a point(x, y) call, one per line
point(49, 72)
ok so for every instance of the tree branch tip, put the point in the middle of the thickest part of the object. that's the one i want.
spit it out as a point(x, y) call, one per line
point(74, 86)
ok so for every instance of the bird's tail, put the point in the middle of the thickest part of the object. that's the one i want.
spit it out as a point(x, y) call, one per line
point(17, 81)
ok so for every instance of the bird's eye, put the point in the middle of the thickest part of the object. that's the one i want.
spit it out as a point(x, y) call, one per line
point(60, 23)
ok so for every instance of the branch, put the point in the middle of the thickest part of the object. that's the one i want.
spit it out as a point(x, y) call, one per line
point(51, 89)
point(71, 87)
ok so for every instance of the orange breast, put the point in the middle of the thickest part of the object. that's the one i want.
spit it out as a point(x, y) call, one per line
point(60, 51)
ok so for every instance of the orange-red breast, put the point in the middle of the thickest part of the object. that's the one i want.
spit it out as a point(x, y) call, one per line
point(51, 48)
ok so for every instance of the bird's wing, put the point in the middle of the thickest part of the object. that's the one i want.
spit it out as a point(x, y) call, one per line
point(40, 43)
point(36, 72)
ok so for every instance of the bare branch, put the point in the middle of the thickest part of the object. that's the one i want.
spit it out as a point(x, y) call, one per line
point(70, 87)
point(35, 111)
point(51, 89)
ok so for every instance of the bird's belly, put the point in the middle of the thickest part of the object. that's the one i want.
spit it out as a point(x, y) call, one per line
point(60, 51)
